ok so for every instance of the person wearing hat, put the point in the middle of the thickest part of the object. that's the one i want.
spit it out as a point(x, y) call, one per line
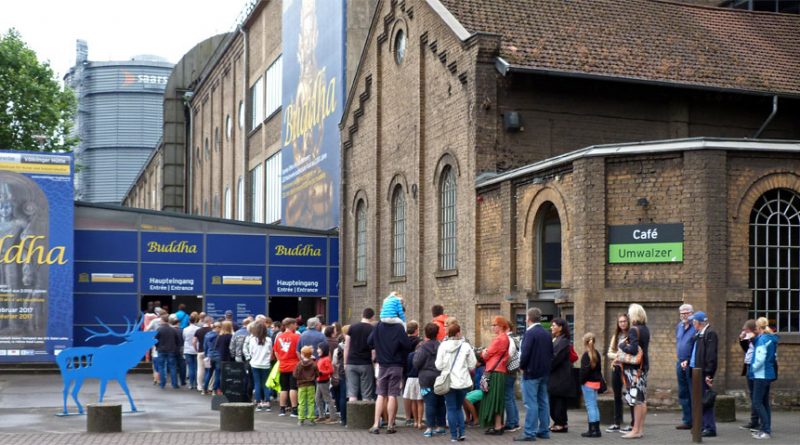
point(229, 317)
point(704, 357)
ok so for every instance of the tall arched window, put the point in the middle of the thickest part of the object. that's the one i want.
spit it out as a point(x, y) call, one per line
point(398, 233)
point(775, 258)
point(447, 220)
point(228, 204)
point(361, 242)
point(549, 250)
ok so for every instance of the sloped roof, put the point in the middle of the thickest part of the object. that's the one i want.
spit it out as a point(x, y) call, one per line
point(649, 40)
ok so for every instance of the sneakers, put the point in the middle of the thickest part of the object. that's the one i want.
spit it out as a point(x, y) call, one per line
point(751, 426)
point(613, 429)
point(282, 412)
point(511, 429)
point(294, 412)
point(627, 429)
point(428, 433)
point(300, 422)
point(761, 435)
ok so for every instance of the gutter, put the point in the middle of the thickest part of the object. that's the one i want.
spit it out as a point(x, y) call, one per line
point(769, 118)
point(504, 68)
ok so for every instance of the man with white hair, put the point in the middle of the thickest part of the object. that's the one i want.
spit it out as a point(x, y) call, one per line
point(312, 336)
point(704, 357)
point(684, 342)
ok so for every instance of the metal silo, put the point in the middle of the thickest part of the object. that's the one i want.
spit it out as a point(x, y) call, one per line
point(119, 121)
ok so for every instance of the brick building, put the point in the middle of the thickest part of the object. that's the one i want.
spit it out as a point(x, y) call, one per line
point(467, 181)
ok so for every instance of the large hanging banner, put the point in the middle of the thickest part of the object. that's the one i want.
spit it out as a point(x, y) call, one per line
point(36, 252)
point(313, 96)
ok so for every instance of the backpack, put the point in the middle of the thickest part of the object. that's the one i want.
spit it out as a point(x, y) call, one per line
point(336, 362)
point(513, 353)
point(237, 347)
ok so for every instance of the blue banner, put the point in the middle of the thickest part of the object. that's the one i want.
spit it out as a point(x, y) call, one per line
point(297, 281)
point(36, 255)
point(313, 97)
point(105, 245)
point(160, 247)
point(235, 280)
point(236, 249)
point(172, 279)
point(105, 307)
point(334, 281)
point(298, 250)
point(242, 307)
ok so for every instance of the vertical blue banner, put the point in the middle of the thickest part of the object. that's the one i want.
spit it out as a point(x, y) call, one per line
point(36, 255)
point(313, 98)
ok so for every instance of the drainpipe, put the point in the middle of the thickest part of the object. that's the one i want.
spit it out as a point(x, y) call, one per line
point(245, 139)
point(187, 200)
point(769, 118)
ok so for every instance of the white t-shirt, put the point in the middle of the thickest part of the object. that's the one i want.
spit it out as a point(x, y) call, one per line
point(188, 336)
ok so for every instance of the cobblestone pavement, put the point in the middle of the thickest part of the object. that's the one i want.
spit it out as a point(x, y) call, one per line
point(28, 405)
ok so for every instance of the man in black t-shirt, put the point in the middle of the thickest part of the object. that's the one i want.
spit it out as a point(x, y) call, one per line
point(199, 336)
point(360, 374)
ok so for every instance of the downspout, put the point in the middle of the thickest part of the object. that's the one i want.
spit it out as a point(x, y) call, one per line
point(187, 200)
point(769, 118)
point(245, 131)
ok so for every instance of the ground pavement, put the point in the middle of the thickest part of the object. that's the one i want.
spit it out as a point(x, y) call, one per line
point(29, 404)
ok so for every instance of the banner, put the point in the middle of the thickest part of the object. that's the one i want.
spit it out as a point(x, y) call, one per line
point(36, 255)
point(645, 243)
point(313, 96)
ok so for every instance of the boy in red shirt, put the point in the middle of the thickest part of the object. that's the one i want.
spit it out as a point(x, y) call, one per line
point(285, 348)
point(325, 368)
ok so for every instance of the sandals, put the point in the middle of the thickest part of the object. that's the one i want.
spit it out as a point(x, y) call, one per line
point(374, 431)
point(559, 429)
point(494, 432)
point(632, 436)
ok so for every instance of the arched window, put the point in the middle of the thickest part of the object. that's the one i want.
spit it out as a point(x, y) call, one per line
point(228, 204)
point(548, 250)
point(240, 199)
point(447, 220)
point(398, 233)
point(775, 258)
point(361, 242)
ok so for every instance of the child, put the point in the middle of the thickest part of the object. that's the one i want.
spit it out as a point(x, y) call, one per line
point(472, 404)
point(412, 399)
point(305, 373)
point(591, 380)
point(325, 368)
point(392, 309)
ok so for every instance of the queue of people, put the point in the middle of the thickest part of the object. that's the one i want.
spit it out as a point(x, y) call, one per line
point(446, 383)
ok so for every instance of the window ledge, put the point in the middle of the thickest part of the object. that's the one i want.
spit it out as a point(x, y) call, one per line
point(273, 114)
point(397, 279)
point(359, 283)
point(446, 273)
point(791, 338)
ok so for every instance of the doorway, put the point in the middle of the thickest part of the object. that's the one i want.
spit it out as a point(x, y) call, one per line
point(307, 307)
point(170, 303)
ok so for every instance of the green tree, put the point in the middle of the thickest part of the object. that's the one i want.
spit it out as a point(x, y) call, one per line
point(37, 110)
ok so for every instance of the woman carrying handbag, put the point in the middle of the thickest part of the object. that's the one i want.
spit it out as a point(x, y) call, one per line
point(456, 355)
point(496, 357)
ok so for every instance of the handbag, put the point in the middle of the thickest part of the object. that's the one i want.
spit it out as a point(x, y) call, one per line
point(709, 397)
point(441, 385)
point(484, 383)
point(573, 356)
point(603, 386)
point(513, 359)
point(630, 359)
point(206, 362)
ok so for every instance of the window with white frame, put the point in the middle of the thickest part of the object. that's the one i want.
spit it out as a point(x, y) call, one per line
point(447, 220)
point(257, 103)
point(228, 204)
point(398, 233)
point(257, 181)
point(274, 85)
point(775, 259)
point(361, 242)
point(240, 199)
point(273, 195)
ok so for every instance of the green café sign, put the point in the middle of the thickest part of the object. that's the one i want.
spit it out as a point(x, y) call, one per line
point(645, 243)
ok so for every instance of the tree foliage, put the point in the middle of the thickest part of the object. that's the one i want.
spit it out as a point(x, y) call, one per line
point(37, 111)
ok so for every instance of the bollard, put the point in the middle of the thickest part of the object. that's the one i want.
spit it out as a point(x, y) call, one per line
point(697, 405)
point(360, 414)
point(236, 417)
point(104, 418)
point(606, 407)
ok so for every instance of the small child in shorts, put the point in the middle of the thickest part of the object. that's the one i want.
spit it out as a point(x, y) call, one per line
point(392, 309)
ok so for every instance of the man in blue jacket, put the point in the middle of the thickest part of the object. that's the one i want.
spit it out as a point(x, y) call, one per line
point(534, 361)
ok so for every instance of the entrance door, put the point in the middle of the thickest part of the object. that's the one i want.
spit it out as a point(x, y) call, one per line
point(193, 303)
point(307, 307)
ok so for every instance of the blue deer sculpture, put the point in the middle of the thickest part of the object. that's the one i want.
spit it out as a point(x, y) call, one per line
point(104, 363)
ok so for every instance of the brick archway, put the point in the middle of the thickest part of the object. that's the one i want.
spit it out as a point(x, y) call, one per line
point(529, 239)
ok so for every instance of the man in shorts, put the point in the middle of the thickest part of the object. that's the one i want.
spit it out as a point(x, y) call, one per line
point(360, 374)
point(285, 348)
point(392, 346)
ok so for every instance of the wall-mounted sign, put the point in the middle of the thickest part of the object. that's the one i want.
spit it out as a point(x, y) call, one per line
point(297, 281)
point(36, 255)
point(298, 250)
point(645, 243)
point(172, 247)
point(175, 279)
point(235, 280)
point(242, 307)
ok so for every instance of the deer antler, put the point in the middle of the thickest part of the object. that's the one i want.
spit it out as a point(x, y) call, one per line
point(109, 331)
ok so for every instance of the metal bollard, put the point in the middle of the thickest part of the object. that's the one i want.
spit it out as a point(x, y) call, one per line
point(697, 405)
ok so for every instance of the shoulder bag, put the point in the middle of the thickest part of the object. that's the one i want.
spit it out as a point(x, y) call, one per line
point(484, 383)
point(630, 359)
point(441, 385)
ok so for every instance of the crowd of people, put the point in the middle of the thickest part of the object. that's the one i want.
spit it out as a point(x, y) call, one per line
point(312, 370)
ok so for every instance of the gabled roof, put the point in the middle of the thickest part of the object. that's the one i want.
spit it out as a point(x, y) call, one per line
point(645, 40)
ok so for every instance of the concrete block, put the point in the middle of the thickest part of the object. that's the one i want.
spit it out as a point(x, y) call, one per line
point(218, 400)
point(725, 408)
point(104, 418)
point(360, 414)
point(606, 407)
point(236, 417)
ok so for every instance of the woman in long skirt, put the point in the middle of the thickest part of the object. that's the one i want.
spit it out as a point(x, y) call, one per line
point(496, 358)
